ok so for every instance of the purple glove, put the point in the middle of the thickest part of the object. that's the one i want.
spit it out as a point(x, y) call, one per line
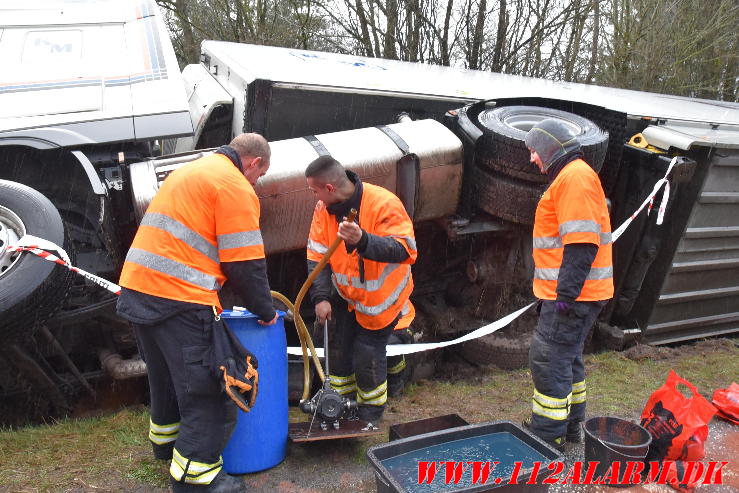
point(563, 308)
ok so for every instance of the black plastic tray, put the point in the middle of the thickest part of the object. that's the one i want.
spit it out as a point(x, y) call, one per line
point(387, 484)
point(428, 425)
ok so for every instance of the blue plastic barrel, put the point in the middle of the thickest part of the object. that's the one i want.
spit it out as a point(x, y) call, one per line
point(259, 440)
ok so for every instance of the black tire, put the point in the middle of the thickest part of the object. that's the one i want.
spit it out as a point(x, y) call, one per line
point(502, 147)
point(31, 288)
point(507, 198)
point(503, 351)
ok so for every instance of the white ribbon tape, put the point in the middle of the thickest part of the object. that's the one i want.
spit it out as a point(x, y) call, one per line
point(398, 349)
point(41, 247)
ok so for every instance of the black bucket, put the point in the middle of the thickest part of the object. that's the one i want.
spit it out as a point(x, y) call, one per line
point(609, 440)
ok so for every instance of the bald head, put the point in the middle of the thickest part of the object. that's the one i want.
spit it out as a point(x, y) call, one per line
point(251, 146)
point(254, 152)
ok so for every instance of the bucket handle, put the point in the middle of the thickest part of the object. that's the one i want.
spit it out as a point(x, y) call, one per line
point(618, 451)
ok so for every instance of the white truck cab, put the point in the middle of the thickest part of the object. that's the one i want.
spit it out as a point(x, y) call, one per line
point(87, 86)
point(87, 72)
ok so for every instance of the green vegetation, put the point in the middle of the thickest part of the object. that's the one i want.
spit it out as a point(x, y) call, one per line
point(112, 453)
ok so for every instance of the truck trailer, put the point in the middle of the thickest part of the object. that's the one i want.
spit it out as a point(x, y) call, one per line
point(447, 141)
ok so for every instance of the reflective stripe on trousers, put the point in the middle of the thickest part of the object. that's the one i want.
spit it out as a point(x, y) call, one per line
point(189, 471)
point(551, 407)
point(374, 397)
point(343, 385)
point(161, 434)
point(578, 393)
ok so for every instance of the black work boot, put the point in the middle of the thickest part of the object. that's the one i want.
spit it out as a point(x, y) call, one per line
point(575, 433)
point(163, 451)
point(222, 483)
point(558, 442)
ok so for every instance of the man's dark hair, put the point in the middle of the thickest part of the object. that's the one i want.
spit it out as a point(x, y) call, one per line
point(327, 169)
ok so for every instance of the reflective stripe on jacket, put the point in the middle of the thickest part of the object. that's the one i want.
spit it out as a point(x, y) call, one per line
point(205, 213)
point(383, 293)
point(573, 210)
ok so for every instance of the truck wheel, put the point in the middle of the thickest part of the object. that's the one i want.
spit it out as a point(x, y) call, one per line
point(507, 198)
point(502, 147)
point(500, 350)
point(31, 288)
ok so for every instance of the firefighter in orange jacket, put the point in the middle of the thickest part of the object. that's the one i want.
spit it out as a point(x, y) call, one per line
point(573, 278)
point(371, 272)
point(201, 229)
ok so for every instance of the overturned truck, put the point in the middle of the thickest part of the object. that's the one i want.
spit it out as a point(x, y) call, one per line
point(448, 142)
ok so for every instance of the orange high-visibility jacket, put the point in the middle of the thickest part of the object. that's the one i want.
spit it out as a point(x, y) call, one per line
point(573, 210)
point(386, 287)
point(205, 213)
point(407, 315)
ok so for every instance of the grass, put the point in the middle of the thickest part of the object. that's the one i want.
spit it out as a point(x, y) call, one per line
point(621, 386)
point(95, 453)
point(81, 452)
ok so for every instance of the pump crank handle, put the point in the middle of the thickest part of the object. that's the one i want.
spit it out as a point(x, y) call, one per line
point(325, 348)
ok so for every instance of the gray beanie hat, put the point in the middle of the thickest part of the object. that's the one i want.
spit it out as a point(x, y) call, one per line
point(551, 139)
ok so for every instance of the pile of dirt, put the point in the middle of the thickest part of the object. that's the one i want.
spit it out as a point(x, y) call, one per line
point(642, 352)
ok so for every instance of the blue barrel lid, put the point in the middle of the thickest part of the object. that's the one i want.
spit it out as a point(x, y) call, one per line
point(240, 312)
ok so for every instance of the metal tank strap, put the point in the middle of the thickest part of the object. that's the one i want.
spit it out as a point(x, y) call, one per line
point(408, 172)
point(317, 145)
point(397, 139)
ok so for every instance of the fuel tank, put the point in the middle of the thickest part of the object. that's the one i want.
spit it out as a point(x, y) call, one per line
point(427, 177)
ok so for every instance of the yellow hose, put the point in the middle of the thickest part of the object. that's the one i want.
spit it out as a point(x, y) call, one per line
point(306, 341)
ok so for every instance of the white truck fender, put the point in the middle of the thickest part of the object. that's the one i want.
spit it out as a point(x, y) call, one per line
point(204, 95)
point(97, 185)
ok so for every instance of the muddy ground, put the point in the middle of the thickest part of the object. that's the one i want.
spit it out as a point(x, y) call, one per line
point(477, 394)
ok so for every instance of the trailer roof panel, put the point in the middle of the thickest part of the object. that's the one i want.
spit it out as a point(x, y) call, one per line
point(312, 68)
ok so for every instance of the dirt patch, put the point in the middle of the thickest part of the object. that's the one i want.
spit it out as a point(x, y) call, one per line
point(707, 346)
point(645, 351)
point(618, 384)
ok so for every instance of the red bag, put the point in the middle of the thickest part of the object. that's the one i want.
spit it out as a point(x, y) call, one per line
point(678, 424)
point(727, 402)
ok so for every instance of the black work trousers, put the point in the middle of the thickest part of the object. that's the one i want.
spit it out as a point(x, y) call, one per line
point(397, 368)
point(183, 389)
point(557, 367)
point(356, 353)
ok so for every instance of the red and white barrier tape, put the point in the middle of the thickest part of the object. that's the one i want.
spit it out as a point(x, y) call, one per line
point(43, 249)
point(650, 200)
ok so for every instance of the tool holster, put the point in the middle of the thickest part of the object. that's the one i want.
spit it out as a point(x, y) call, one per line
point(235, 367)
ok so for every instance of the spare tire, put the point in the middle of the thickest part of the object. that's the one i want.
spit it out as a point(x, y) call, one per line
point(502, 147)
point(31, 288)
point(507, 198)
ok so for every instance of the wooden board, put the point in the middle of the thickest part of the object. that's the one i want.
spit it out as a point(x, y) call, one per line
point(298, 432)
